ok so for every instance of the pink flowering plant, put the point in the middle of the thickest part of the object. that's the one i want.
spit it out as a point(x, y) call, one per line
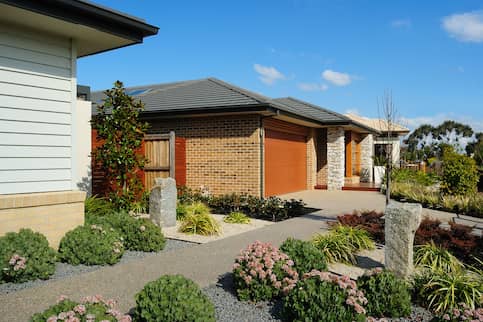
point(91, 245)
point(462, 312)
point(262, 272)
point(89, 309)
point(387, 295)
point(24, 256)
point(323, 296)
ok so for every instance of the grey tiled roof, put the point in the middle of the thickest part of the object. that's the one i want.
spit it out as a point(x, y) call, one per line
point(315, 112)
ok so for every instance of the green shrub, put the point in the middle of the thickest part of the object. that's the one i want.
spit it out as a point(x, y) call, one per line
point(173, 298)
point(460, 175)
point(411, 176)
point(205, 225)
point(305, 255)
point(25, 256)
point(436, 258)
point(91, 245)
point(387, 295)
point(261, 272)
point(138, 234)
point(91, 308)
point(441, 292)
point(357, 237)
point(180, 211)
point(236, 218)
point(335, 247)
point(322, 296)
point(97, 207)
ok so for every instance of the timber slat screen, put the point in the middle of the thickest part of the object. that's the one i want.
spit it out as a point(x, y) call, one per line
point(159, 150)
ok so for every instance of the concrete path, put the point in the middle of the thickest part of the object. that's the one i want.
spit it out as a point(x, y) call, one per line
point(203, 263)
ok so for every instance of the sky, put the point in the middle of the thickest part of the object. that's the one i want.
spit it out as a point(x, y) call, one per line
point(338, 54)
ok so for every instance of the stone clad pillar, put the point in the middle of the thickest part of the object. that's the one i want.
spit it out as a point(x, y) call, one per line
point(401, 222)
point(367, 162)
point(335, 158)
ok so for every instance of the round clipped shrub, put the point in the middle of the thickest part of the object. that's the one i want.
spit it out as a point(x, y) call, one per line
point(262, 272)
point(305, 255)
point(91, 308)
point(322, 296)
point(138, 234)
point(173, 298)
point(24, 256)
point(91, 245)
point(387, 295)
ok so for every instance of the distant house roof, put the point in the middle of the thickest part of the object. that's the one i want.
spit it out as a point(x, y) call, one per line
point(213, 95)
point(380, 125)
point(94, 27)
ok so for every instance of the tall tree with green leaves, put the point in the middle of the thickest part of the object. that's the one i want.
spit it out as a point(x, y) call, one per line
point(121, 132)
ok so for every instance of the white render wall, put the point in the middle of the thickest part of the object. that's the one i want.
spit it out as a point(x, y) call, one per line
point(83, 146)
point(37, 106)
point(396, 147)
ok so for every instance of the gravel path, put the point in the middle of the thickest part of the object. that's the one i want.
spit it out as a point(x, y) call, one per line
point(63, 270)
point(228, 308)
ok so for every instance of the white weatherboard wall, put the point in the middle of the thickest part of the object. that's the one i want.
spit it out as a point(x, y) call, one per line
point(37, 103)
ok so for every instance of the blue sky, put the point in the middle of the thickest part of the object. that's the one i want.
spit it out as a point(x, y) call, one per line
point(338, 54)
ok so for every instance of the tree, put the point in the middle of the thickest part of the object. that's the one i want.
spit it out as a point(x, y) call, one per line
point(121, 132)
point(475, 149)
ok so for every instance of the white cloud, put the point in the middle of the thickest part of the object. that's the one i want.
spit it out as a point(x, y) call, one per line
point(466, 27)
point(312, 87)
point(401, 23)
point(267, 74)
point(337, 78)
point(353, 111)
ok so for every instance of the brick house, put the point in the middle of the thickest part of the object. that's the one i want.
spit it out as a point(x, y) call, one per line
point(240, 141)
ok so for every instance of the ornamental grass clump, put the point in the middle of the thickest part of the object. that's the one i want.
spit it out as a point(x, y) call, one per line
point(335, 247)
point(25, 256)
point(323, 296)
point(139, 234)
point(91, 308)
point(432, 257)
point(387, 295)
point(305, 255)
point(262, 272)
point(237, 218)
point(202, 224)
point(357, 237)
point(173, 298)
point(91, 245)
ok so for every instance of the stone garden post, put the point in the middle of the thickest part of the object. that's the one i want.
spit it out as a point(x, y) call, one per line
point(162, 202)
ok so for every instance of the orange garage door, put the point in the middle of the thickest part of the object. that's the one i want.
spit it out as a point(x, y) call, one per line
point(285, 162)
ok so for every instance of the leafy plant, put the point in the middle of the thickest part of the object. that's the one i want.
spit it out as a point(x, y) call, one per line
point(305, 255)
point(91, 308)
point(335, 247)
point(180, 211)
point(441, 292)
point(387, 295)
point(205, 225)
point(197, 208)
point(173, 298)
point(357, 237)
point(370, 221)
point(121, 133)
point(91, 245)
point(322, 296)
point(414, 177)
point(97, 207)
point(460, 175)
point(139, 234)
point(25, 256)
point(237, 218)
point(461, 313)
point(262, 272)
point(436, 258)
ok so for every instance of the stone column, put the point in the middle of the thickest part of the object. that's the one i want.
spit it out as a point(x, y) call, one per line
point(367, 152)
point(401, 222)
point(335, 158)
point(162, 202)
point(311, 160)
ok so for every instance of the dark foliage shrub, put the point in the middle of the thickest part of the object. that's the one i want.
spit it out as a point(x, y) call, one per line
point(322, 296)
point(91, 245)
point(91, 308)
point(25, 256)
point(138, 234)
point(262, 272)
point(460, 175)
point(371, 221)
point(305, 255)
point(387, 295)
point(173, 298)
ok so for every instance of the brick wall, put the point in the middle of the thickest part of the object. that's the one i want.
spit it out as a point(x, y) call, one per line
point(222, 153)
